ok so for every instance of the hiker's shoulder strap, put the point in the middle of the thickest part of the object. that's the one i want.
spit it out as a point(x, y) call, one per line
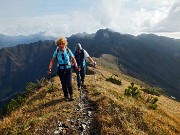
point(68, 50)
point(83, 53)
point(75, 52)
point(57, 52)
point(70, 54)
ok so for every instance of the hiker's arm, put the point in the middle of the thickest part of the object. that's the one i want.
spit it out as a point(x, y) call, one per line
point(89, 57)
point(91, 60)
point(51, 64)
point(74, 61)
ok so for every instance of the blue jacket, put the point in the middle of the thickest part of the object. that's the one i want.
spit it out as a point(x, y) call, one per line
point(63, 59)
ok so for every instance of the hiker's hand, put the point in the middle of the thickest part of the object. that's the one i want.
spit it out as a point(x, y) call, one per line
point(78, 69)
point(94, 64)
point(49, 71)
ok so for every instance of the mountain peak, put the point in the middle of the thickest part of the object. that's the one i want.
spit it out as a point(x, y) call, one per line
point(107, 30)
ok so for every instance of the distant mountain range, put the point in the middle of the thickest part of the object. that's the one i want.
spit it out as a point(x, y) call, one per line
point(151, 58)
point(9, 41)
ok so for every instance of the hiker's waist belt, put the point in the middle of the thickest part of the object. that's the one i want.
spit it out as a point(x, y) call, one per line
point(64, 66)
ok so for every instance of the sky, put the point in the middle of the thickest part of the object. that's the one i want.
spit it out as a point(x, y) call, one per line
point(67, 17)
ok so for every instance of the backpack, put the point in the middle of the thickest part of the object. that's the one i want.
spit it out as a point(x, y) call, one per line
point(80, 58)
point(57, 52)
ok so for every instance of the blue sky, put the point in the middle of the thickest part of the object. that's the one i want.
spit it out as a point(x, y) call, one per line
point(67, 17)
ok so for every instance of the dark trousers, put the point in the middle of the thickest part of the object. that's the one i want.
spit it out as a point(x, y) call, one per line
point(81, 75)
point(66, 81)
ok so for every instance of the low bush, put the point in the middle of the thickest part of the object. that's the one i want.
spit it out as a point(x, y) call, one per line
point(152, 103)
point(132, 91)
point(153, 91)
point(11, 106)
point(114, 80)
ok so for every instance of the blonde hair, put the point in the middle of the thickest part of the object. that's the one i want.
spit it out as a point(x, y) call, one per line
point(61, 40)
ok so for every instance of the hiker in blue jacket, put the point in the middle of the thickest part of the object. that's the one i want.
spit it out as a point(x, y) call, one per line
point(64, 56)
point(81, 55)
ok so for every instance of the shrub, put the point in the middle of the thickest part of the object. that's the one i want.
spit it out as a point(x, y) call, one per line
point(152, 103)
point(21, 99)
point(114, 80)
point(50, 89)
point(11, 106)
point(153, 91)
point(41, 82)
point(132, 91)
point(30, 87)
point(154, 100)
point(152, 106)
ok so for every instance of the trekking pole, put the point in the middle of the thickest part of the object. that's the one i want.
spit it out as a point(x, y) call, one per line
point(80, 91)
point(49, 77)
point(51, 81)
point(94, 76)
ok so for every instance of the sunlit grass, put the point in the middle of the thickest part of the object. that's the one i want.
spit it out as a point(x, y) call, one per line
point(115, 112)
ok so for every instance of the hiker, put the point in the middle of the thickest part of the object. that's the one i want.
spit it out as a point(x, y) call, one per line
point(81, 55)
point(64, 56)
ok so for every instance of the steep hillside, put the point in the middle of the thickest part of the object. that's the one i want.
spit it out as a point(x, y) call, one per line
point(29, 62)
point(102, 109)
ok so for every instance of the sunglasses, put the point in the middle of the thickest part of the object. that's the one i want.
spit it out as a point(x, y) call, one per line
point(62, 56)
point(61, 43)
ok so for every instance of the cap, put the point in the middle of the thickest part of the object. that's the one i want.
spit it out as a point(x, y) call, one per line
point(78, 46)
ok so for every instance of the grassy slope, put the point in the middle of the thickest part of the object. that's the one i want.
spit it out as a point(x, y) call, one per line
point(119, 114)
point(115, 113)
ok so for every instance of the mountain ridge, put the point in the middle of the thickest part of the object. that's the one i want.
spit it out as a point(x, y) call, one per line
point(157, 65)
point(110, 110)
point(135, 55)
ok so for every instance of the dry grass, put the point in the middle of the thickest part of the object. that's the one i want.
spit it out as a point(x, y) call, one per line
point(115, 113)
point(119, 114)
point(40, 113)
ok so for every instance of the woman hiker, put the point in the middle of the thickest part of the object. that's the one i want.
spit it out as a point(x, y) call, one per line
point(64, 57)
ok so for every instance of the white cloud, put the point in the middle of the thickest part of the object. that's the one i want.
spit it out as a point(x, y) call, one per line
point(172, 22)
point(125, 16)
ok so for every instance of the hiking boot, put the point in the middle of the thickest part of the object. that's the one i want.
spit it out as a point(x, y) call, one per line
point(84, 87)
point(82, 83)
point(71, 98)
point(79, 88)
point(66, 98)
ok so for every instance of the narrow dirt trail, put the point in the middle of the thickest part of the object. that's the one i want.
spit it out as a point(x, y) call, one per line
point(83, 118)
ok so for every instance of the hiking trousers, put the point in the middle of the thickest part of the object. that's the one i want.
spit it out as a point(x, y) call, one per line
point(65, 76)
point(81, 75)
